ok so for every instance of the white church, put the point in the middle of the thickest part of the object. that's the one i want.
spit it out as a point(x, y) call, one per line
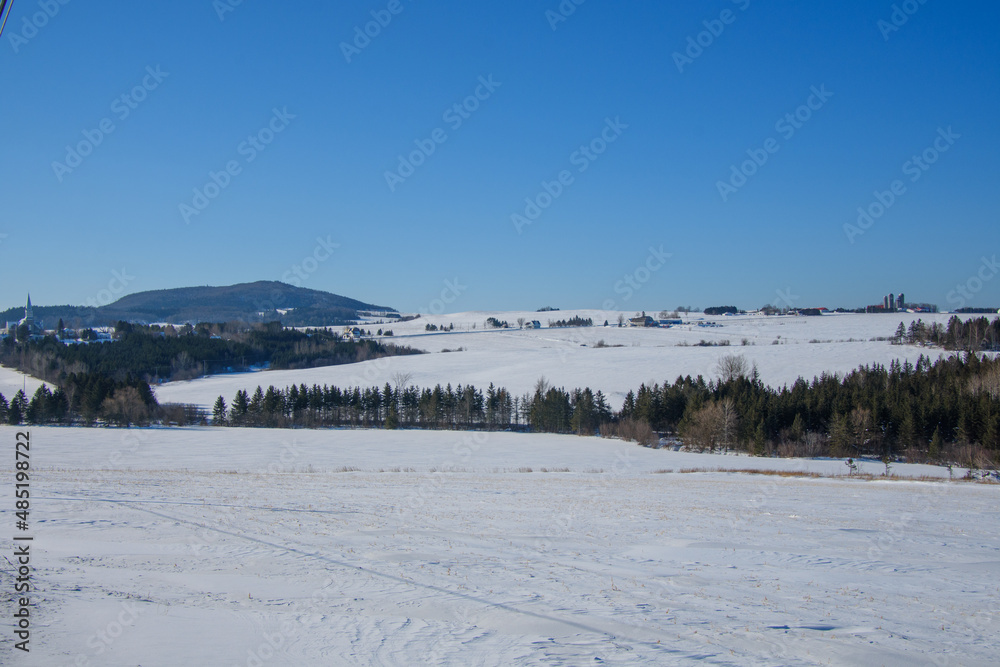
point(34, 326)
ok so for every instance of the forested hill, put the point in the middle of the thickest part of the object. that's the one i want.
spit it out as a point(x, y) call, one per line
point(261, 301)
point(155, 353)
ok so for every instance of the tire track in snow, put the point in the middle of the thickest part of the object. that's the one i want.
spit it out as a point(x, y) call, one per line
point(613, 637)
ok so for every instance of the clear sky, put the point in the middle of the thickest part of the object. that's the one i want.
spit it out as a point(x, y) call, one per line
point(631, 126)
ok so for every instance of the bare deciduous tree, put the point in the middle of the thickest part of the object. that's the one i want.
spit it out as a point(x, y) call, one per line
point(728, 421)
point(401, 380)
point(732, 366)
point(125, 408)
point(987, 382)
point(701, 432)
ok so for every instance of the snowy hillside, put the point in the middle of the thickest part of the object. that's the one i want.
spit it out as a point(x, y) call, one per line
point(232, 546)
point(257, 547)
point(784, 348)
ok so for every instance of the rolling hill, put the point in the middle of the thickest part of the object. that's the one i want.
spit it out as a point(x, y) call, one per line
point(252, 302)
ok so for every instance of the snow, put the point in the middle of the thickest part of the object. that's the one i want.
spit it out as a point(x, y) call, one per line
point(12, 381)
point(567, 357)
point(224, 546)
point(296, 547)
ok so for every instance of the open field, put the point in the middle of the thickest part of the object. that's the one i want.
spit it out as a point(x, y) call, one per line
point(259, 547)
point(231, 546)
point(567, 357)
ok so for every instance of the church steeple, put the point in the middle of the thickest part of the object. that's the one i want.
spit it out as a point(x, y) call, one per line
point(29, 318)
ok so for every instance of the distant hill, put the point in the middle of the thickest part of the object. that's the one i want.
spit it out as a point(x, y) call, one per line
point(251, 302)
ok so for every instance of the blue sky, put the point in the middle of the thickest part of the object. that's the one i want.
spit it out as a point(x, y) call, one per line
point(663, 134)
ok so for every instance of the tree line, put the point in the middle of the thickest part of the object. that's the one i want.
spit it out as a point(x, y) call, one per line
point(157, 354)
point(923, 411)
point(975, 334)
point(575, 321)
point(86, 398)
point(548, 409)
point(945, 410)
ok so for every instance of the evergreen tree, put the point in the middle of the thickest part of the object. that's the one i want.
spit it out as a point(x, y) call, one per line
point(798, 429)
point(241, 405)
point(934, 451)
point(900, 334)
point(219, 411)
point(37, 412)
point(840, 435)
point(255, 409)
point(759, 440)
point(273, 405)
point(18, 408)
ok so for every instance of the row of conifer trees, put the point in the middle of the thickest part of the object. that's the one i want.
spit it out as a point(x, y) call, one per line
point(922, 411)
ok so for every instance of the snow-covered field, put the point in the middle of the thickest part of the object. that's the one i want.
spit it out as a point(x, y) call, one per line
point(219, 546)
point(784, 348)
point(12, 381)
point(288, 547)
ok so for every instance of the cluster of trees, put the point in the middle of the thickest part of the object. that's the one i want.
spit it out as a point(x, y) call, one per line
point(154, 354)
point(434, 327)
point(947, 410)
point(494, 323)
point(724, 342)
point(970, 309)
point(721, 310)
point(922, 412)
point(975, 334)
point(574, 321)
point(84, 398)
point(548, 409)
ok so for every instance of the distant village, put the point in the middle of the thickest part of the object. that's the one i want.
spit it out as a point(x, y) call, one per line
point(29, 327)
